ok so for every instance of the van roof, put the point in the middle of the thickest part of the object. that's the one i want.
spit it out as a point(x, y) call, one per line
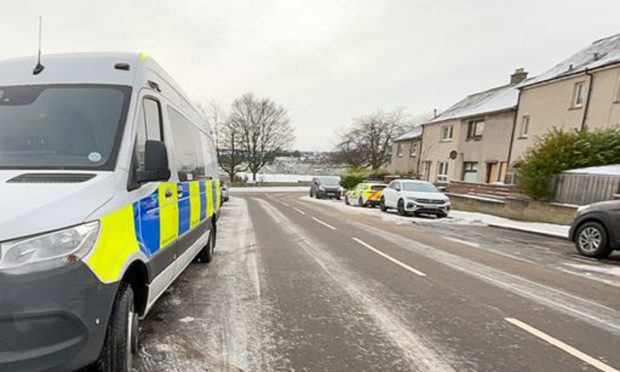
point(80, 68)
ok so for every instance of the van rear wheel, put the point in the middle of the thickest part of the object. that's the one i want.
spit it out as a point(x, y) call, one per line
point(206, 253)
point(121, 340)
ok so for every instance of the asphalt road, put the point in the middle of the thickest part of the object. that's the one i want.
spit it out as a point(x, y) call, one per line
point(306, 285)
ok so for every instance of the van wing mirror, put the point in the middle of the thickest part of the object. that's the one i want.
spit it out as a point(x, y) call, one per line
point(156, 167)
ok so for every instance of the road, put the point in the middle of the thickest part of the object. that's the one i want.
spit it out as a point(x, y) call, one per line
point(312, 285)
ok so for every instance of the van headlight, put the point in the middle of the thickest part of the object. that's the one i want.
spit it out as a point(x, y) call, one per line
point(49, 250)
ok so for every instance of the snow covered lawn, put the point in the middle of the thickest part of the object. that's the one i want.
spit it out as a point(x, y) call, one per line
point(455, 217)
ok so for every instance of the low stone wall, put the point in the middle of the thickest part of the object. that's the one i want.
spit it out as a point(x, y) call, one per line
point(516, 209)
point(490, 189)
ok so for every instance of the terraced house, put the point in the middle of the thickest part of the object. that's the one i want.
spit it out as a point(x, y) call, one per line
point(581, 92)
point(470, 141)
point(406, 152)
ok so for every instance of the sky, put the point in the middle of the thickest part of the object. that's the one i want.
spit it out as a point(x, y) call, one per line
point(326, 61)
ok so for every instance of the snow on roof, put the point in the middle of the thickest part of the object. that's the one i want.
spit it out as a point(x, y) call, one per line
point(415, 132)
point(599, 53)
point(607, 170)
point(492, 100)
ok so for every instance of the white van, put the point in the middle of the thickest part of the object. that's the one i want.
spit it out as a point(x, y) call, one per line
point(108, 190)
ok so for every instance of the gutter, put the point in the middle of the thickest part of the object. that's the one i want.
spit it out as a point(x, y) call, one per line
point(568, 76)
point(514, 129)
point(587, 105)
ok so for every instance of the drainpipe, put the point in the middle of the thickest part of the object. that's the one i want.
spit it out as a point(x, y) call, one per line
point(587, 106)
point(420, 152)
point(512, 135)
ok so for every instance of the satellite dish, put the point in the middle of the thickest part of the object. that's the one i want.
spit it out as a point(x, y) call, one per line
point(453, 154)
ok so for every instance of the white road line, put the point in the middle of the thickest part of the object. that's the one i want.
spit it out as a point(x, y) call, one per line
point(299, 211)
point(562, 346)
point(403, 265)
point(285, 204)
point(324, 223)
point(471, 244)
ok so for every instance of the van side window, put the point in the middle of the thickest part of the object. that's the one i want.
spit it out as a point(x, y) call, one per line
point(149, 128)
point(186, 136)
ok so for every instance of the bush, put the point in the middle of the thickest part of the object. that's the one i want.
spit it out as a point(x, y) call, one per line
point(354, 175)
point(558, 151)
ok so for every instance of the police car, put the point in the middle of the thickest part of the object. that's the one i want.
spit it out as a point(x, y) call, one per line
point(109, 190)
point(365, 194)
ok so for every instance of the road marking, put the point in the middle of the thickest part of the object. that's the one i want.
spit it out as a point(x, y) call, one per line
point(285, 204)
point(471, 244)
point(403, 265)
point(562, 346)
point(324, 223)
point(299, 211)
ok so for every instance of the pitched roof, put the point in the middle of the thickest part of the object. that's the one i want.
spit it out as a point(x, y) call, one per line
point(415, 132)
point(492, 100)
point(600, 53)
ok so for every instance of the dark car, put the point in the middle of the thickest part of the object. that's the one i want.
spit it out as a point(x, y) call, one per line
point(326, 187)
point(596, 229)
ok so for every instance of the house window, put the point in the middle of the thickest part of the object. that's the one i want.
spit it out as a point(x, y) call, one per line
point(525, 127)
point(413, 151)
point(578, 95)
point(447, 133)
point(399, 150)
point(475, 129)
point(442, 171)
point(470, 171)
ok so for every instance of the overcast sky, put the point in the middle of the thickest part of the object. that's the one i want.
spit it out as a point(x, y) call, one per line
point(327, 61)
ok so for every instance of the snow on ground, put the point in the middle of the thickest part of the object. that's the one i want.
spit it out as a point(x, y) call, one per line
point(455, 217)
point(611, 170)
point(234, 190)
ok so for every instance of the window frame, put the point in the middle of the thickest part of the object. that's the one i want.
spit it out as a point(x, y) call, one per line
point(171, 109)
point(399, 149)
point(524, 130)
point(132, 184)
point(472, 128)
point(449, 129)
point(413, 149)
point(578, 93)
point(442, 166)
point(473, 168)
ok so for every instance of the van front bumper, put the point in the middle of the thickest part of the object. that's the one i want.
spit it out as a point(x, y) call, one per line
point(53, 320)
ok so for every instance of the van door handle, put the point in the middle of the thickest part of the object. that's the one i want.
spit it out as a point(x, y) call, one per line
point(168, 193)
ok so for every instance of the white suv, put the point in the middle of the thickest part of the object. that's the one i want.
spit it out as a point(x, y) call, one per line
point(414, 197)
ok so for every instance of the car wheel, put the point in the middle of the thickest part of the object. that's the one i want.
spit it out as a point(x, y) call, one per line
point(441, 215)
point(591, 240)
point(360, 202)
point(346, 200)
point(311, 194)
point(121, 339)
point(206, 253)
point(382, 205)
point(401, 208)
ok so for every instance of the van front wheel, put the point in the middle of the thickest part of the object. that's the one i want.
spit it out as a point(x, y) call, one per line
point(206, 253)
point(122, 334)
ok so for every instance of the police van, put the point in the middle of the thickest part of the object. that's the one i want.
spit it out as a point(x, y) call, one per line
point(108, 190)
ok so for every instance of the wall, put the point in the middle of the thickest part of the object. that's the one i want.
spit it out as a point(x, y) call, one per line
point(517, 209)
point(491, 148)
point(435, 150)
point(550, 105)
point(405, 164)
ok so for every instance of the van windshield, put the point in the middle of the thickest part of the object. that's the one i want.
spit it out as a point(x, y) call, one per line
point(61, 126)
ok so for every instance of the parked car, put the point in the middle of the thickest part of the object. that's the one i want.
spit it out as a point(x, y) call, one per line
point(415, 197)
point(596, 229)
point(365, 194)
point(101, 211)
point(326, 187)
point(225, 192)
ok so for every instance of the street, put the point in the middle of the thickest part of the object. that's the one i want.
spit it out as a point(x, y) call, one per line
point(313, 285)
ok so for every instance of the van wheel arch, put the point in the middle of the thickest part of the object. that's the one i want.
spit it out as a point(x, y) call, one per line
point(137, 277)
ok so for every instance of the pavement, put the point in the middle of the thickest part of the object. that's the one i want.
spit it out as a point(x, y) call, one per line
point(299, 284)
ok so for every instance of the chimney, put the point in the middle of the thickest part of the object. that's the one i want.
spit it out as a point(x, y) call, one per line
point(518, 76)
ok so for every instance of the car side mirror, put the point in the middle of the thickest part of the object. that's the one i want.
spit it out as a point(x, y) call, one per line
point(397, 188)
point(156, 167)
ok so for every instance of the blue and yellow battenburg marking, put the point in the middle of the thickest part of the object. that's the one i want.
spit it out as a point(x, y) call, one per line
point(151, 224)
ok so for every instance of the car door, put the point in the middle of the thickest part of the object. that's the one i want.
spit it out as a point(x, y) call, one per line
point(156, 211)
point(394, 193)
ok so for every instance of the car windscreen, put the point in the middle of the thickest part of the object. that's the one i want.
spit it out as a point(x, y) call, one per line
point(419, 187)
point(329, 181)
point(377, 187)
point(61, 126)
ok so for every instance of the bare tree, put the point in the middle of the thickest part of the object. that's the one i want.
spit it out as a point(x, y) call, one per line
point(368, 142)
point(264, 127)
